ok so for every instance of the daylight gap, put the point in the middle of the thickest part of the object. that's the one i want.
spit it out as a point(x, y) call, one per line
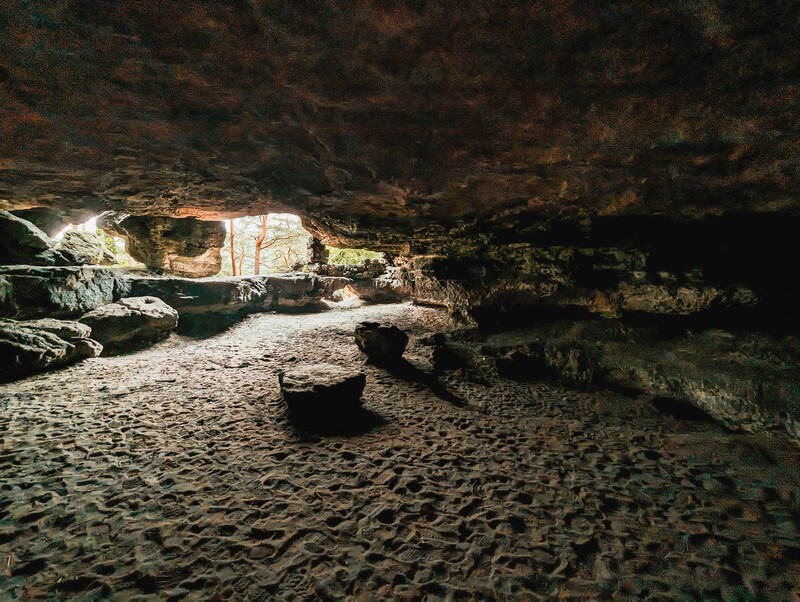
point(275, 243)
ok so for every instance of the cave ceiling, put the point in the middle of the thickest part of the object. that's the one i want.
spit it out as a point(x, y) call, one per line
point(382, 121)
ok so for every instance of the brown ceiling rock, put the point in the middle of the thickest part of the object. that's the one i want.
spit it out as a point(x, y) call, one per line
point(184, 247)
point(387, 123)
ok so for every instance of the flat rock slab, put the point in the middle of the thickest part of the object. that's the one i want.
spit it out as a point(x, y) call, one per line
point(320, 391)
point(383, 343)
point(131, 322)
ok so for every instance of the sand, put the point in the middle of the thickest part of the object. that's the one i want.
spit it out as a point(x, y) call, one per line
point(172, 473)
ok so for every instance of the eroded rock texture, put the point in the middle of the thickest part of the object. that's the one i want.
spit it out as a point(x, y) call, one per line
point(131, 323)
point(38, 345)
point(84, 248)
point(722, 271)
point(397, 124)
point(21, 242)
point(60, 292)
point(184, 247)
point(746, 380)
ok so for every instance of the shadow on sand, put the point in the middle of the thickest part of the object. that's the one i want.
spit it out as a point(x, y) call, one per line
point(348, 424)
point(405, 370)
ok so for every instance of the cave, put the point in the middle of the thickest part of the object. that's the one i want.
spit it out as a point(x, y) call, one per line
point(535, 336)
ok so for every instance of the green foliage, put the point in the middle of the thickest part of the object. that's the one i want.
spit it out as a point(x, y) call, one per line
point(116, 247)
point(350, 256)
point(111, 246)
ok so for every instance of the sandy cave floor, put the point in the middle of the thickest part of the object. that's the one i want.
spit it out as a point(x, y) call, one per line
point(172, 473)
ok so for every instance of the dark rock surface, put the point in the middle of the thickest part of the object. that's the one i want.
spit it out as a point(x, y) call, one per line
point(721, 272)
point(27, 347)
point(131, 323)
point(383, 343)
point(321, 391)
point(184, 247)
point(21, 242)
point(402, 124)
point(747, 381)
point(457, 352)
point(207, 303)
point(60, 292)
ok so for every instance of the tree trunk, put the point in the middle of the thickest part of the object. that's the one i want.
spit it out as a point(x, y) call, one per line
point(260, 241)
point(242, 255)
point(233, 248)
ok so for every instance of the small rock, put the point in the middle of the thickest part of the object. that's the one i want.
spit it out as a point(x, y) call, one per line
point(383, 343)
point(131, 322)
point(86, 348)
point(320, 391)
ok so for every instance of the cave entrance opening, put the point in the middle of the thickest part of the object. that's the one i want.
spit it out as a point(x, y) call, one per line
point(276, 243)
point(116, 253)
point(271, 243)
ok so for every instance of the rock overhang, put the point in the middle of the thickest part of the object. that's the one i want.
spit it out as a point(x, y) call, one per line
point(382, 123)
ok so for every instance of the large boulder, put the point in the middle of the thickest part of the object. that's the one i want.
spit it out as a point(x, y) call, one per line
point(131, 323)
point(185, 247)
point(59, 292)
point(383, 343)
point(319, 392)
point(21, 242)
point(383, 289)
point(38, 345)
point(69, 330)
point(84, 248)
